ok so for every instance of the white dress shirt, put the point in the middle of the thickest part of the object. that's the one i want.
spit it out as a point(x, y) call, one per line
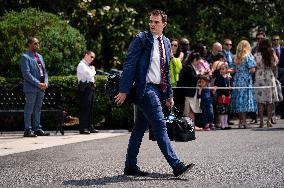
point(85, 72)
point(154, 72)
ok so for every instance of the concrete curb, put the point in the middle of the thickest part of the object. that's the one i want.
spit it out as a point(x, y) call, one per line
point(11, 143)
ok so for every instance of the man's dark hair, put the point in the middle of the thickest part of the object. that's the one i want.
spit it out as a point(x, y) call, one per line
point(160, 12)
point(276, 34)
point(194, 55)
point(88, 52)
point(199, 47)
point(30, 40)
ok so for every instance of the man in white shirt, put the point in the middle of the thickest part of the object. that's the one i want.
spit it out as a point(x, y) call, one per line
point(86, 88)
point(147, 64)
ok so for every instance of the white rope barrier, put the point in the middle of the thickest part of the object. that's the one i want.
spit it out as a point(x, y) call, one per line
point(259, 87)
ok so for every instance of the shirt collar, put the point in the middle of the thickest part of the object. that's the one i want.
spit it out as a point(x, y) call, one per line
point(155, 36)
point(84, 61)
point(34, 53)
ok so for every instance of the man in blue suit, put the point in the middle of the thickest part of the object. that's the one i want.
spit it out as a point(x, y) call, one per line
point(147, 65)
point(279, 51)
point(227, 46)
point(35, 82)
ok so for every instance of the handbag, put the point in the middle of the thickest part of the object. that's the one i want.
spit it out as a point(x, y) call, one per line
point(112, 89)
point(224, 99)
point(279, 90)
point(179, 129)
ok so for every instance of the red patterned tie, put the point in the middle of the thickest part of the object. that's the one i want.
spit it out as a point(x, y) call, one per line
point(163, 67)
point(41, 70)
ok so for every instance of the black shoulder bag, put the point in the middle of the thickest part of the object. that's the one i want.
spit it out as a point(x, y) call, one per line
point(180, 129)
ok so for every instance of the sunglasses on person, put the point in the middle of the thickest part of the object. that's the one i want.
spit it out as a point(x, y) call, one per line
point(175, 45)
point(259, 38)
point(228, 44)
point(275, 39)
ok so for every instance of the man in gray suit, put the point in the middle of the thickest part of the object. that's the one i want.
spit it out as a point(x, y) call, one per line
point(35, 82)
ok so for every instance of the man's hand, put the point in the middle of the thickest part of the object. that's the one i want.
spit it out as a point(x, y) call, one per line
point(170, 103)
point(42, 86)
point(119, 98)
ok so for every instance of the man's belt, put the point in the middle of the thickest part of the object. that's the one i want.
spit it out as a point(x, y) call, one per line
point(83, 85)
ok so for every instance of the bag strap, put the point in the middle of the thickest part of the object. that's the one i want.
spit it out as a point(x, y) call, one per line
point(142, 36)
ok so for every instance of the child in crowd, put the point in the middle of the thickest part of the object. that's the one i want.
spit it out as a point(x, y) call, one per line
point(206, 103)
point(223, 96)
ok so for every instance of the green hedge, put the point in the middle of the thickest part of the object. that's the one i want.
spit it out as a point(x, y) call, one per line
point(106, 115)
point(61, 45)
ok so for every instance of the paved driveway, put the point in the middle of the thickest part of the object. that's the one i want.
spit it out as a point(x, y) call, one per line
point(230, 158)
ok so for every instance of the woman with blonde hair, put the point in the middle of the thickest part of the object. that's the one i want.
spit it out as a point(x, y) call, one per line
point(243, 99)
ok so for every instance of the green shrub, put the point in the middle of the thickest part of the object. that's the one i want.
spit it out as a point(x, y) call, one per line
point(61, 45)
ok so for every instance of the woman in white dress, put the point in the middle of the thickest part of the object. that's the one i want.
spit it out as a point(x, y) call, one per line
point(266, 62)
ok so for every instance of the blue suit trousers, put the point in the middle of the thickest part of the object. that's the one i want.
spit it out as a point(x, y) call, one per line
point(149, 113)
point(32, 110)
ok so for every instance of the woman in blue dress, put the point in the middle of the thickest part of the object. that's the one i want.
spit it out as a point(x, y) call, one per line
point(243, 99)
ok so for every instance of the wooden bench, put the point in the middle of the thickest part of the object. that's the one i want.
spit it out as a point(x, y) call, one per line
point(12, 101)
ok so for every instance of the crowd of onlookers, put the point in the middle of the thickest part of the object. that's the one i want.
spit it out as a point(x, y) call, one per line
point(213, 87)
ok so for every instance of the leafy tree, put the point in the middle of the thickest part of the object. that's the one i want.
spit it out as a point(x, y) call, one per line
point(61, 45)
point(109, 25)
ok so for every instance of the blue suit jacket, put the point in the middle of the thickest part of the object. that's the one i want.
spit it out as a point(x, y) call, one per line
point(281, 66)
point(30, 71)
point(137, 63)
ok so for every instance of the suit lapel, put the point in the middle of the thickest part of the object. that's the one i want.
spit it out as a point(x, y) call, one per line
point(167, 48)
point(34, 60)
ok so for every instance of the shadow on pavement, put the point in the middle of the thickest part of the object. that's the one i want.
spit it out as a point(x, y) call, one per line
point(120, 179)
point(267, 129)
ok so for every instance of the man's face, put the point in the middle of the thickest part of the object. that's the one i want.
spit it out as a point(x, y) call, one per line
point(228, 45)
point(156, 24)
point(34, 45)
point(275, 40)
point(216, 49)
point(89, 58)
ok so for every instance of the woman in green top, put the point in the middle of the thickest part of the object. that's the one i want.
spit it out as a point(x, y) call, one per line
point(175, 62)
